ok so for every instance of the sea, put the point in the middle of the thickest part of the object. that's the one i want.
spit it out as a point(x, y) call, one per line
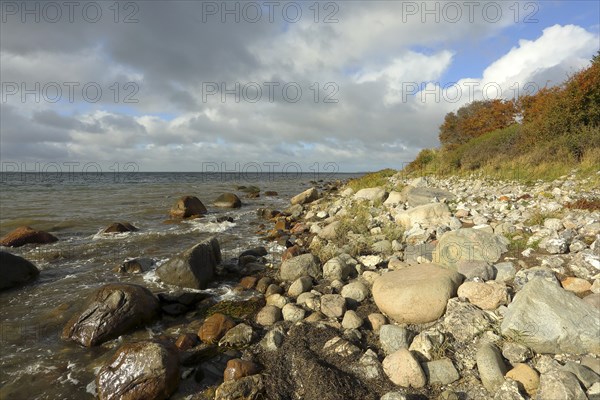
point(34, 362)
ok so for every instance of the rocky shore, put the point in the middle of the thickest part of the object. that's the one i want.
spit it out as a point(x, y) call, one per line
point(421, 288)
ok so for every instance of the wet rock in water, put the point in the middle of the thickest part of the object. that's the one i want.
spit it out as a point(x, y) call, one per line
point(237, 369)
point(417, 294)
point(187, 341)
point(271, 193)
point(248, 388)
point(239, 335)
point(147, 370)
point(26, 235)
point(308, 196)
point(549, 319)
point(490, 365)
point(225, 218)
point(214, 327)
point(257, 252)
point(188, 207)
point(135, 266)
point(120, 227)
point(469, 244)
point(404, 370)
point(112, 310)
point(194, 268)
point(15, 271)
point(296, 267)
point(227, 200)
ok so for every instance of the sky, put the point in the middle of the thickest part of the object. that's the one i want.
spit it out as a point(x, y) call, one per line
point(272, 86)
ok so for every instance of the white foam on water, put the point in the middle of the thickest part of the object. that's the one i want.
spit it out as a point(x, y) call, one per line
point(210, 227)
point(91, 387)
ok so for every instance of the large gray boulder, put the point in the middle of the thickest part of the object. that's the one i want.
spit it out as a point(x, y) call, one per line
point(15, 271)
point(194, 268)
point(416, 294)
point(549, 319)
point(302, 265)
point(371, 194)
point(308, 196)
point(469, 244)
point(111, 311)
point(146, 370)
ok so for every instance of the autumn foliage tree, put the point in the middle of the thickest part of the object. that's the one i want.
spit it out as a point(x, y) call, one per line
point(476, 119)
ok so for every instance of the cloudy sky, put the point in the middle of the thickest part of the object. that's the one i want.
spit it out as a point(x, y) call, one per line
point(174, 86)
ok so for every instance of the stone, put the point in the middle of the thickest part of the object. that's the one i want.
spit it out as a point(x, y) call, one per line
point(356, 291)
point(300, 285)
point(394, 338)
point(333, 305)
point(475, 269)
point(526, 376)
point(591, 363)
point(293, 313)
point(548, 319)
point(194, 268)
point(227, 200)
point(238, 369)
point(576, 285)
point(440, 372)
point(272, 340)
point(120, 227)
point(277, 300)
point(377, 321)
point(371, 194)
point(238, 336)
point(488, 296)
point(329, 232)
point(516, 352)
point(559, 385)
point(508, 391)
point(394, 396)
point(336, 269)
point(490, 365)
point(16, 271)
point(351, 320)
point(273, 289)
point(593, 300)
point(308, 196)
point(425, 215)
point(268, 315)
point(187, 341)
point(26, 235)
point(468, 244)
point(417, 294)
point(585, 375)
point(394, 199)
point(139, 371)
point(248, 282)
point(505, 271)
point(134, 266)
point(111, 311)
point(263, 283)
point(465, 321)
point(247, 388)
point(368, 366)
point(416, 196)
point(188, 207)
point(404, 370)
point(526, 275)
point(214, 327)
point(557, 246)
point(302, 265)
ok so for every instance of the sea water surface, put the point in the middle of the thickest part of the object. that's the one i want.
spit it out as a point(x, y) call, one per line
point(34, 362)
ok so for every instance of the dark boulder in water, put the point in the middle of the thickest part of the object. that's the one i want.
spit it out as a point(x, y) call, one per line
point(26, 235)
point(187, 207)
point(15, 271)
point(228, 200)
point(134, 266)
point(111, 311)
point(194, 268)
point(146, 370)
point(120, 227)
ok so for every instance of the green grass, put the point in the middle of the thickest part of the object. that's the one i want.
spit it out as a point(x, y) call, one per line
point(373, 179)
